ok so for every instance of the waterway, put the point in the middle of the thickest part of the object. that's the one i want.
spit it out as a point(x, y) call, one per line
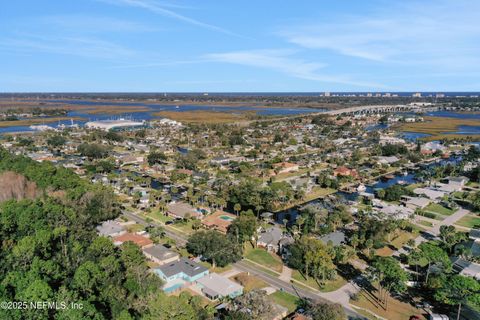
point(407, 176)
point(153, 108)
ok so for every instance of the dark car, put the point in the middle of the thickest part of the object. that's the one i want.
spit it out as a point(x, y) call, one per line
point(168, 222)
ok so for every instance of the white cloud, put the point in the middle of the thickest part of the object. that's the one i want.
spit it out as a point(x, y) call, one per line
point(435, 33)
point(161, 9)
point(282, 61)
point(77, 46)
point(93, 24)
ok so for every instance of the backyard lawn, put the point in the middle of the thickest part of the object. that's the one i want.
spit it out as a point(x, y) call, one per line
point(264, 258)
point(285, 299)
point(436, 208)
point(330, 285)
point(249, 282)
point(469, 221)
point(396, 310)
point(403, 238)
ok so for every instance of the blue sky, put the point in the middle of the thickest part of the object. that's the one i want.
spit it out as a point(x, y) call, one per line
point(262, 45)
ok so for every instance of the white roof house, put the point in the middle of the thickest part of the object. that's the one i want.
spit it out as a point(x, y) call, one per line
point(214, 286)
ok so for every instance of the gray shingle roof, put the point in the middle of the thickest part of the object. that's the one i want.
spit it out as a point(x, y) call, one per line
point(184, 265)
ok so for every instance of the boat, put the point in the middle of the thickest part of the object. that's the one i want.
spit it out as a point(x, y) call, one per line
point(401, 182)
point(361, 188)
point(177, 107)
point(389, 176)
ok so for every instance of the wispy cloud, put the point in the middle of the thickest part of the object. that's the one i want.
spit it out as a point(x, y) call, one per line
point(440, 33)
point(93, 24)
point(282, 61)
point(164, 10)
point(77, 46)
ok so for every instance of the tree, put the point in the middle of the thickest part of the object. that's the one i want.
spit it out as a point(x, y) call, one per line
point(428, 253)
point(324, 310)
point(390, 276)
point(156, 157)
point(312, 257)
point(93, 151)
point(451, 237)
point(243, 229)
point(237, 207)
point(255, 304)
point(214, 247)
point(457, 291)
point(156, 233)
point(56, 141)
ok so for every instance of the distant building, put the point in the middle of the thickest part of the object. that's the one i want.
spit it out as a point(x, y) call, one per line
point(119, 124)
point(417, 95)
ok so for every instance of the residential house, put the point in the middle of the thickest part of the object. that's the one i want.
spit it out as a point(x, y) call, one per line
point(182, 210)
point(271, 239)
point(160, 254)
point(467, 268)
point(219, 220)
point(110, 228)
point(387, 160)
point(215, 286)
point(285, 167)
point(415, 202)
point(335, 238)
point(180, 273)
point(344, 172)
point(141, 241)
point(429, 193)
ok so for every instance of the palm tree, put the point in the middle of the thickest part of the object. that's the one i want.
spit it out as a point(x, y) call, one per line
point(237, 207)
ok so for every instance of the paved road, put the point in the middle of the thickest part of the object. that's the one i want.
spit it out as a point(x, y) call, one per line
point(434, 231)
point(290, 288)
point(180, 239)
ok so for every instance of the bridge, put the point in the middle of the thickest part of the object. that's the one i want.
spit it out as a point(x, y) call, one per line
point(374, 109)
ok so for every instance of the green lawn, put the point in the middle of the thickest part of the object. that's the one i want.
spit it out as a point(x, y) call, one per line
point(285, 299)
point(261, 256)
point(403, 238)
point(263, 269)
point(426, 223)
point(469, 221)
point(436, 208)
point(249, 282)
point(330, 285)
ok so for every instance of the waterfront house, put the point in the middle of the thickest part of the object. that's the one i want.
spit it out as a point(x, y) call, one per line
point(335, 238)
